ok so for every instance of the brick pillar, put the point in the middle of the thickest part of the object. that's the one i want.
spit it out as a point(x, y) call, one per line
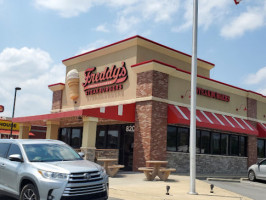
point(150, 135)
point(252, 140)
point(57, 95)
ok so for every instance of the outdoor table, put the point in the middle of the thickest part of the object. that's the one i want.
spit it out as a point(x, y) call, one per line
point(111, 170)
point(156, 164)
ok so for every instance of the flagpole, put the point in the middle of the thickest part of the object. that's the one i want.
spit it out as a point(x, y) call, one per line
point(192, 143)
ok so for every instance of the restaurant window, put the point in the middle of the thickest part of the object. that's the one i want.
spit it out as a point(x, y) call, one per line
point(71, 136)
point(205, 142)
point(198, 141)
point(224, 144)
point(261, 148)
point(171, 138)
point(242, 146)
point(234, 145)
point(101, 137)
point(216, 143)
point(182, 139)
point(108, 137)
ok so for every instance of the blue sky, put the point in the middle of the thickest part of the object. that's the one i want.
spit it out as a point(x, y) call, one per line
point(36, 35)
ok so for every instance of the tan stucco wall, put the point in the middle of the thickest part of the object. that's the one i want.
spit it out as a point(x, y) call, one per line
point(145, 54)
point(261, 111)
point(129, 87)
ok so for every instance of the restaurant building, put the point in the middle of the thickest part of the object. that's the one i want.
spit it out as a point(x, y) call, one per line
point(131, 100)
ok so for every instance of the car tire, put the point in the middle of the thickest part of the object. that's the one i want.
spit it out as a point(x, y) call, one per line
point(29, 192)
point(251, 175)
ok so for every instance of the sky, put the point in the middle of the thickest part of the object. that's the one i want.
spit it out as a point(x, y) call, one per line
point(36, 35)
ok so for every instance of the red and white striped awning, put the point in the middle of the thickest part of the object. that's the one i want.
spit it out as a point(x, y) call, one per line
point(181, 115)
point(262, 130)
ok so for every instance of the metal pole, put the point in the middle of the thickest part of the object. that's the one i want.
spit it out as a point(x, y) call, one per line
point(193, 103)
point(17, 88)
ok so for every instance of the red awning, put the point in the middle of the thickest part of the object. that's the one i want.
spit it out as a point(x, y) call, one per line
point(181, 115)
point(262, 130)
point(125, 112)
point(7, 132)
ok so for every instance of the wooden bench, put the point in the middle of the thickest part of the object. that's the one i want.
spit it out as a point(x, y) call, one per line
point(165, 172)
point(113, 169)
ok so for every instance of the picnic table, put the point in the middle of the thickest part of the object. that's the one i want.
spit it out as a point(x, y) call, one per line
point(156, 170)
point(110, 169)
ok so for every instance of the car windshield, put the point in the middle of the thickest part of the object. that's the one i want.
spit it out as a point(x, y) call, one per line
point(50, 152)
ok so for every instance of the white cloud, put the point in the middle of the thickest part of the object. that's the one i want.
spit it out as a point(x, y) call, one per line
point(95, 45)
point(102, 28)
point(257, 78)
point(66, 8)
point(250, 20)
point(32, 70)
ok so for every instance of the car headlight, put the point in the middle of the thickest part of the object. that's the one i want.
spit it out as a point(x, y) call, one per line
point(53, 175)
point(102, 170)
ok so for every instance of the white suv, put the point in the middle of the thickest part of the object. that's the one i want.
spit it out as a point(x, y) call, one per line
point(49, 170)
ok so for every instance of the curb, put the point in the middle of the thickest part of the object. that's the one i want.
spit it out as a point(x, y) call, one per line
point(224, 180)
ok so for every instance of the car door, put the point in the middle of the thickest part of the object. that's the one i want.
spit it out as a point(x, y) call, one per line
point(262, 170)
point(11, 170)
point(3, 151)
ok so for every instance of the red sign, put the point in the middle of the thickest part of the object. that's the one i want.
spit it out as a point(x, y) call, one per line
point(212, 94)
point(2, 108)
point(237, 1)
point(110, 79)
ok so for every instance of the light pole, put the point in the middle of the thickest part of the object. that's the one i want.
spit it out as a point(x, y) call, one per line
point(192, 142)
point(16, 89)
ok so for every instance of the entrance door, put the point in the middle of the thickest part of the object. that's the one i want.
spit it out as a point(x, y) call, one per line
point(126, 146)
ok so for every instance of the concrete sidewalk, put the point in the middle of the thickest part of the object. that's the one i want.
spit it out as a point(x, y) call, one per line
point(134, 186)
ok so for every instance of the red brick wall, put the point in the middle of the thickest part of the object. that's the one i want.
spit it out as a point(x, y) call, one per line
point(252, 140)
point(151, 119)
point(57, 99)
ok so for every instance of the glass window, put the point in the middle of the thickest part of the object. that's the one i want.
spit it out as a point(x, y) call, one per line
point(182, 139)
point(261, 148)
point(112, 138)
point(215, 142)
point(243, 146)
point(263, 162)
point(100, 138)
point(14, 149)
point(234, 145)
point(198, 142)
point(76, 138)
point(205, 142)
point(171, 138)
point(3, 149)
point(65, 135)
point(224, 144)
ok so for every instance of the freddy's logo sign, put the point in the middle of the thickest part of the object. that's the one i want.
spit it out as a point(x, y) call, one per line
point(110, 79)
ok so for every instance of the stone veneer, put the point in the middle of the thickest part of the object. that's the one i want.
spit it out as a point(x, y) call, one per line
point(57, 99)
point(208, 164)
point(106, 153)
point(150, 135)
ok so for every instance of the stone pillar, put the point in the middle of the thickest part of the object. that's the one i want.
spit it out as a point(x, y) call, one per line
point(24, 130)
point(52, 130)
point(150, 137)
point(252, 140)
point(89, 137)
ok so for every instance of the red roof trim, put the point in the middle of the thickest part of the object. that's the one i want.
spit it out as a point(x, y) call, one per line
point(162, 63)
point(56, 84)
point(136, 36)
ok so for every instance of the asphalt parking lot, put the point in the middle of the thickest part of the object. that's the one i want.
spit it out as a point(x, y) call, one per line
point(254, 190)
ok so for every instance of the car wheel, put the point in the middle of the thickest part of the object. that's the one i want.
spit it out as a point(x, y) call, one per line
point(29, 192)
point(251, 176)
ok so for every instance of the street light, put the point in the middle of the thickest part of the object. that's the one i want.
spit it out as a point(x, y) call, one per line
point(16, 89)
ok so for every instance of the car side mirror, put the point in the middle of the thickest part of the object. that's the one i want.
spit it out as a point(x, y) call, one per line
point(15, 157)
point(81, 154)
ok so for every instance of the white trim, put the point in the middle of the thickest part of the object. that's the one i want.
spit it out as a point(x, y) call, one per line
point(247, 125)
point(238, 123)
point(196, 115)
point(263, 125)
point(120, 110)
point(228, 121)
point(218, 118)
point(181, 112)
point(102, 109)
point(206, 117)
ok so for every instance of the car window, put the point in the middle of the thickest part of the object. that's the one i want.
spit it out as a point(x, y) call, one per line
point(3, 149)
point(263, 162)
point(14, 149)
